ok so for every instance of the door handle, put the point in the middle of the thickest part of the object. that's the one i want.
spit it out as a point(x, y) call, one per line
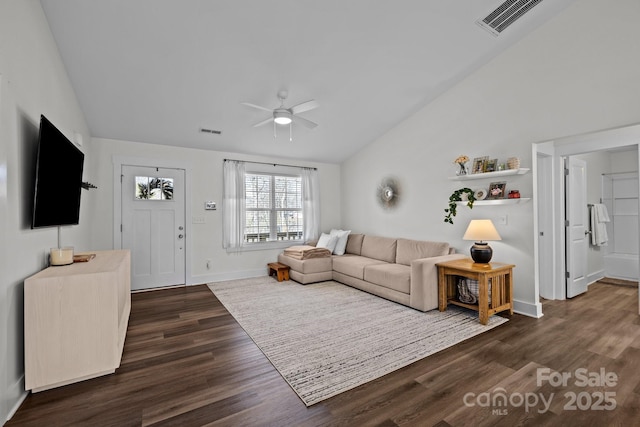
point(587, 232)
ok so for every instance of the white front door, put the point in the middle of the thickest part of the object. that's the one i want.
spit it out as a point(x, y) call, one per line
point(153, 225)
point(577, 227)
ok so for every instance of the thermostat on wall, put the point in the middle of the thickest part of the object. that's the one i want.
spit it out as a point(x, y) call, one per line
point(209, 206)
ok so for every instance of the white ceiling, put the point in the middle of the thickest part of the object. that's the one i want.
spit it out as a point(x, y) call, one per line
point(158, 71)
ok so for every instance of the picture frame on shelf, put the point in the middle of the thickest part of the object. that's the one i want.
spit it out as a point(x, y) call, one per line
point(478, 164)
point(497, 190)
point(491, 165)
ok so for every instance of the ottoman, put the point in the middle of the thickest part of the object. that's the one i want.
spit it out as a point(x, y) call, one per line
point(308, 270)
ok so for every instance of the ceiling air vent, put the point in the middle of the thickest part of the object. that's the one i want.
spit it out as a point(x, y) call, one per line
point(204, 130)
point(506, 14)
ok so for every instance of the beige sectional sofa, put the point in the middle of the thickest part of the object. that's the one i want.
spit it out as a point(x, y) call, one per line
point(400, 270)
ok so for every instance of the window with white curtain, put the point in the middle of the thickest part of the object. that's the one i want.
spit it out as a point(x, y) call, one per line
point(266, 208)
point(273, 206)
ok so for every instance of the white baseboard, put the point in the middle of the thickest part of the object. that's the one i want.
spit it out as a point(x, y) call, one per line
point(220, 277)
point(595, 276)
point(20, 395)
point(528, 309)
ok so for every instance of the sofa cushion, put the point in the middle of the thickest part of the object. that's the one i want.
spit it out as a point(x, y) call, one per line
point(380, 248)
point(306, 266)
point(408, 250)
point(392, 276)
point(341, 244)
point(327, 241)
point(354, 244)
point(353, 265)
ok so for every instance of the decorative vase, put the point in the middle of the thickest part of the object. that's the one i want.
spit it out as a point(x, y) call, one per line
point(462, 170)
point(513, 163)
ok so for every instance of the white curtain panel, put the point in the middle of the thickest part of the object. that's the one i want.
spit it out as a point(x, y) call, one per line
point(233, 205)
point(310, 203)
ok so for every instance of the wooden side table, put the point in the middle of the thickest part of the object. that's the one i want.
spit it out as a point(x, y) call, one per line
point(496, 275)
point(280, 270)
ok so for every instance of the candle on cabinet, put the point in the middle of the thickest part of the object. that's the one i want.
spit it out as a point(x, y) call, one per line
point(61, 256)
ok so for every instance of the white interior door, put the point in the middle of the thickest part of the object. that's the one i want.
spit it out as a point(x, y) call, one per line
point(545, 227)
point(577, 238)
point(153, 225)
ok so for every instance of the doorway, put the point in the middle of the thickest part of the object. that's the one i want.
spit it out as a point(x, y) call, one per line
point(151, 200)
point(153, 225)
point(551, 154)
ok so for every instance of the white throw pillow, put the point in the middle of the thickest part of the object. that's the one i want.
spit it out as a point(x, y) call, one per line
point(327, 241)
point(341, 244)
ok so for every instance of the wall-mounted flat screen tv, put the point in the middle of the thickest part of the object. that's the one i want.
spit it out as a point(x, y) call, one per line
point(58, 181)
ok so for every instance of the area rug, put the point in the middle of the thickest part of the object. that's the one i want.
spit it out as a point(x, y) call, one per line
point(327, 338)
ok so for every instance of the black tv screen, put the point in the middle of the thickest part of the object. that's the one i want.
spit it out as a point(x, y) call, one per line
point(58, 180)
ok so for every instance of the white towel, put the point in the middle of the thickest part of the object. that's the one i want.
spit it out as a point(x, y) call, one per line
point(601, 212)
point(599, 218)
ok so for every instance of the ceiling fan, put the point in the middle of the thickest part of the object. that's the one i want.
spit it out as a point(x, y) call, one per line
point(286, 116)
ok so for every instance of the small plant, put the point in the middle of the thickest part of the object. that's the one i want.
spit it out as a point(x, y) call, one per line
point(455, 197)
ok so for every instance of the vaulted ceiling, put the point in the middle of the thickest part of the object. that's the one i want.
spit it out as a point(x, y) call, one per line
point(159, 71)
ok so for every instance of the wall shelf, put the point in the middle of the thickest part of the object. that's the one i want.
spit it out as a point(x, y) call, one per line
point(496, 202)
point(496, 174)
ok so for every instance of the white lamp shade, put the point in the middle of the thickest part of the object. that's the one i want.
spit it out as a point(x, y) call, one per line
point(481, 229)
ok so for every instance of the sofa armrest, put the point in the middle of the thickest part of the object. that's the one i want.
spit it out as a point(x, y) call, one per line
point(424, 281)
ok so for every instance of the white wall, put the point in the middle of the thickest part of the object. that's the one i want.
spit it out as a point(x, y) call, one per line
point(623, 161)
point(206, 176)
point(33, 81)
point(575, 74)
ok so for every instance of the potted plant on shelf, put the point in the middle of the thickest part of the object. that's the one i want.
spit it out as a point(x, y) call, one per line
point(456, 197)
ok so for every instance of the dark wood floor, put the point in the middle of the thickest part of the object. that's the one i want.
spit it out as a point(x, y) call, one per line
point(188, 363)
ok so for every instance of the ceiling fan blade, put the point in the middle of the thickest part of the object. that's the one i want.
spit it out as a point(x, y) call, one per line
point(304, 122)
point(305, 106)
point(264, 122)
point(248, 104)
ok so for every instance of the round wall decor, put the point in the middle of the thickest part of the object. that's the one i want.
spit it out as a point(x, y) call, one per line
point(388, 192)
point(480, 194)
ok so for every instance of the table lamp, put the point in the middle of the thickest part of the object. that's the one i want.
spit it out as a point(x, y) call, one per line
point(480, 230)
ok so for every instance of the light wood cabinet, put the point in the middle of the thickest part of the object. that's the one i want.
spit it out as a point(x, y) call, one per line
point(75, 320)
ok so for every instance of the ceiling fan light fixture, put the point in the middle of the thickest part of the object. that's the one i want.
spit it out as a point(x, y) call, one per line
point(282, 117)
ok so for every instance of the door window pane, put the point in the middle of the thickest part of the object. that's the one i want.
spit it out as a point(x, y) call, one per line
point(153, 188)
